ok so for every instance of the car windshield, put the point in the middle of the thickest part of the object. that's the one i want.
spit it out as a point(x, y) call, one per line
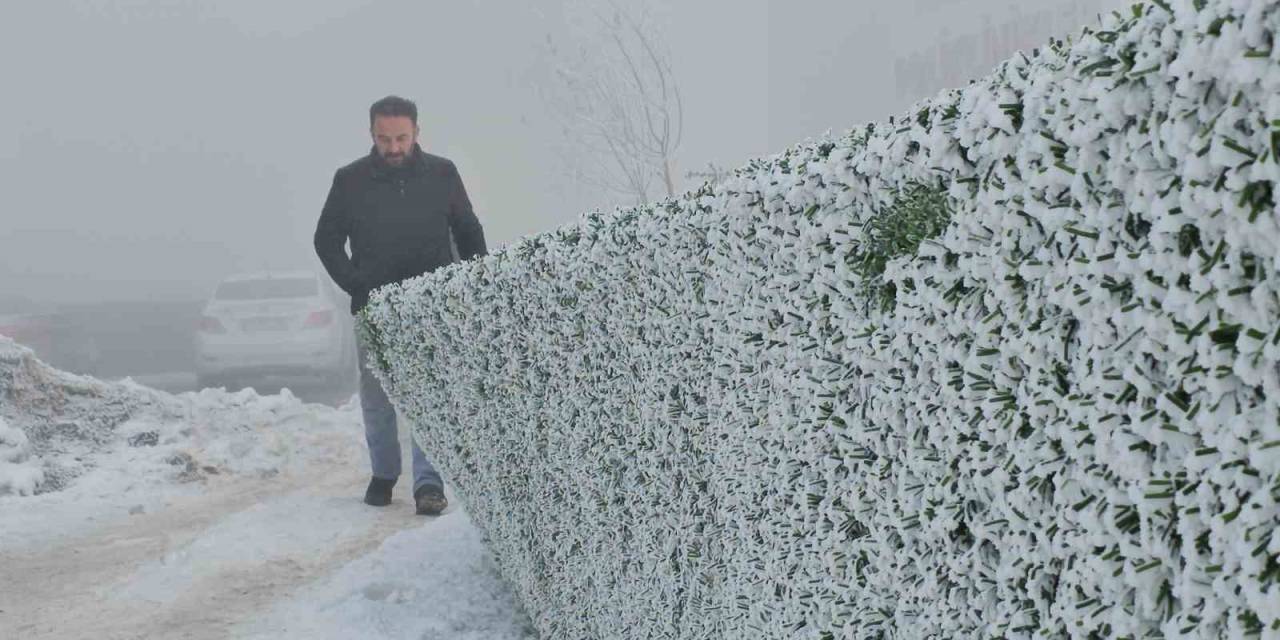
point(267, 289)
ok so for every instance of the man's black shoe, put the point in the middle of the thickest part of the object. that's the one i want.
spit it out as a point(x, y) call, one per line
point(379, 492)
point(429, 500)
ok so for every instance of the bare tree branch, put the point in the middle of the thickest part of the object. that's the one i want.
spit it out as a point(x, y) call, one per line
point(621, 112)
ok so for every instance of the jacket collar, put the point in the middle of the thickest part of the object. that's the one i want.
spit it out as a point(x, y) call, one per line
point(380, 170)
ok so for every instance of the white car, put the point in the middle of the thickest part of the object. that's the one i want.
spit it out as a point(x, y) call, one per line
point(291, 325)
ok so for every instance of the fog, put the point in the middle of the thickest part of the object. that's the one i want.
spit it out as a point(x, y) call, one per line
point(148, 149)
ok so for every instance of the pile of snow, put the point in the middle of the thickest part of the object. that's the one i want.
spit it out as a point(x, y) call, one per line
point(58, 430)
point(65, 418)
point(1058, 416)
point(18, 472)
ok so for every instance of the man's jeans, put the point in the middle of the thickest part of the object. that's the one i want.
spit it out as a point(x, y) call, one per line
point(381, 432)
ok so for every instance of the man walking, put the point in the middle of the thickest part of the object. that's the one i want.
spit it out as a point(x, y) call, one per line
point(398, 207)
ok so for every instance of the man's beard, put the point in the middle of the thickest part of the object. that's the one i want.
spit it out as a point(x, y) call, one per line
point(394, 160)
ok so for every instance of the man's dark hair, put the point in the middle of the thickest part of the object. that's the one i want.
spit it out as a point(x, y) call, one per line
point(393, 106)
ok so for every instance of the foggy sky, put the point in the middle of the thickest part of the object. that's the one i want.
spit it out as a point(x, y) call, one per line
point(147, 149)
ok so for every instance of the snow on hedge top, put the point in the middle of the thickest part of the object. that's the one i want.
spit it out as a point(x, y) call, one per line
point(1003, 367)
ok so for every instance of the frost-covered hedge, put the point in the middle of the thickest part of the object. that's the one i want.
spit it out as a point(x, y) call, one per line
point(1003, 367)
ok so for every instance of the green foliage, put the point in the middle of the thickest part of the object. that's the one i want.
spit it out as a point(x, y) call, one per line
point(922, 211)
point(367, 332)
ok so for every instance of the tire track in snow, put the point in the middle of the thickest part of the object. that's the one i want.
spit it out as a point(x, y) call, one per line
point(182, 572)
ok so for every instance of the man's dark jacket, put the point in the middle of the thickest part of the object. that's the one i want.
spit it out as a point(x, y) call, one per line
point(398, 220)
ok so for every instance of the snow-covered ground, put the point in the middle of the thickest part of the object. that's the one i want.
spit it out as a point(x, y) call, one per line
point(130, 513)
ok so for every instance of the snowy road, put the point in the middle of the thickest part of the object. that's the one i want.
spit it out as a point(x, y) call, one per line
point(236, 562)
point(217, 515)
point(133, 578)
